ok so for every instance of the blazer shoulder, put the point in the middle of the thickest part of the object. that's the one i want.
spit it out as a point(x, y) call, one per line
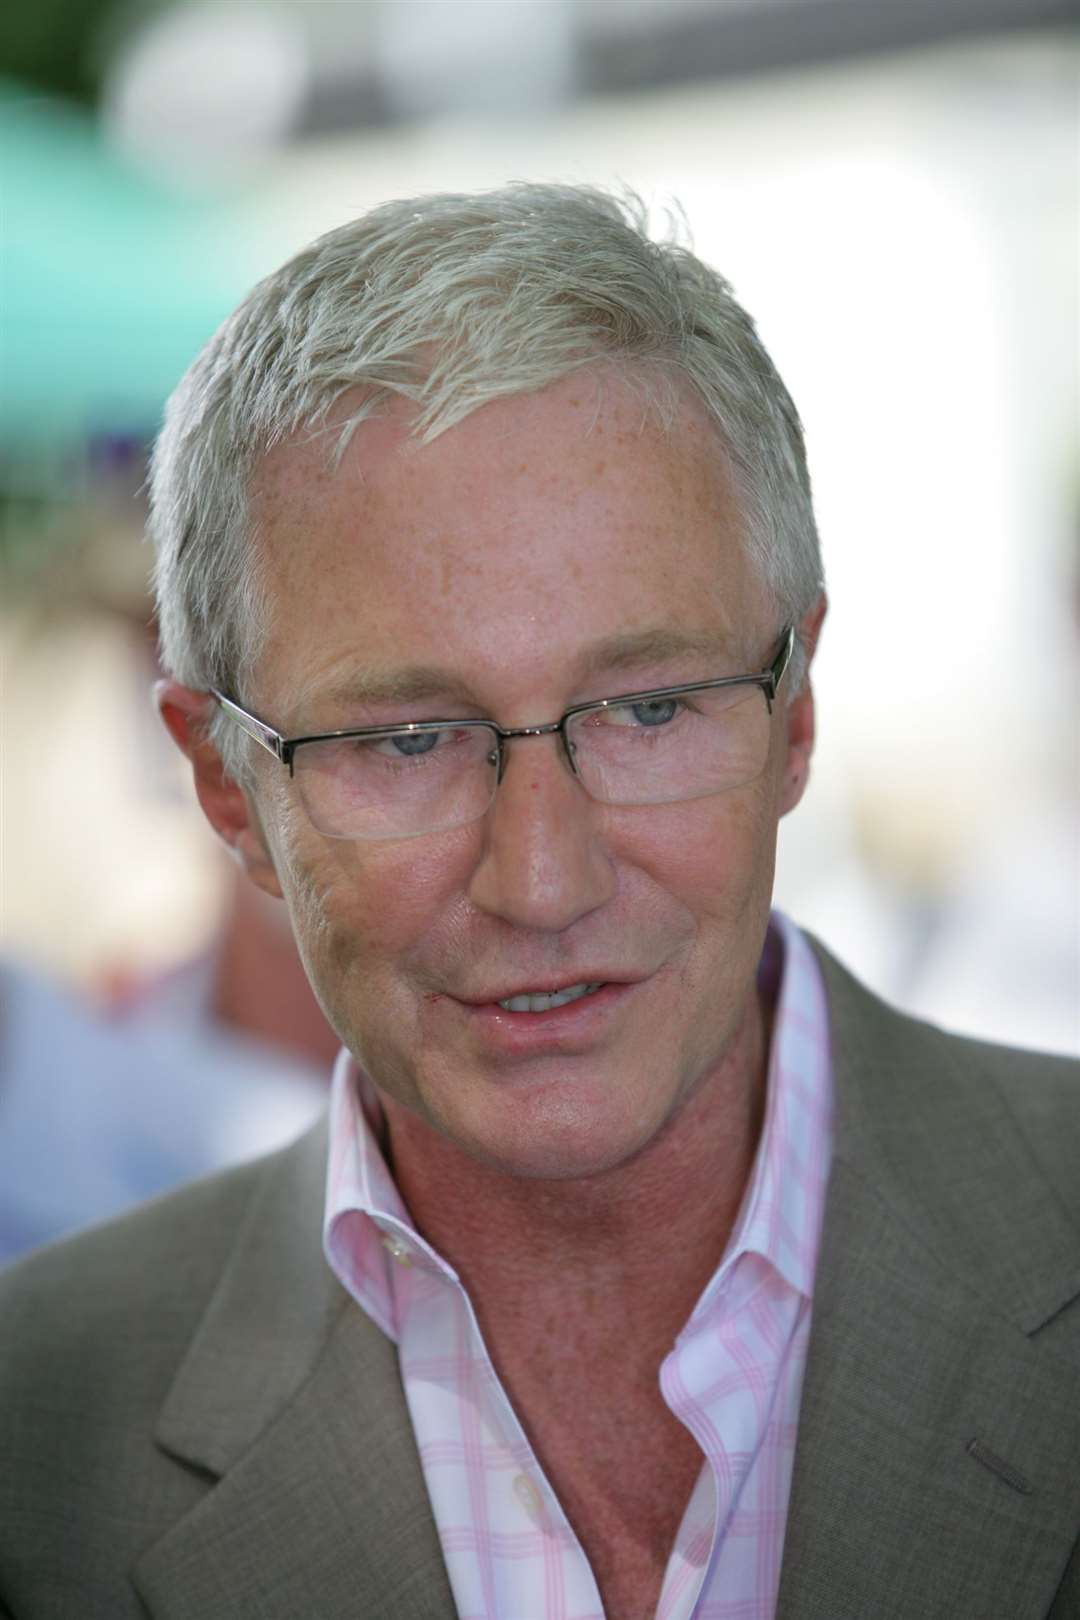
point(1041, 1095)
point(1040, 1081)
point(1042, 1089)
point(1039, 1086)
point(1038, 1093)
point(81, 1314)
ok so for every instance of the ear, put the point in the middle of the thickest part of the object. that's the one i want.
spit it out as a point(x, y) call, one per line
point(226, 805)
point(799, 716)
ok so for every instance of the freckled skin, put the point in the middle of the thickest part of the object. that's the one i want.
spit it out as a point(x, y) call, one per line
point(502, 550)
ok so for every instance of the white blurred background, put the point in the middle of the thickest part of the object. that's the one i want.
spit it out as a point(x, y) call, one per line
point(893, 190)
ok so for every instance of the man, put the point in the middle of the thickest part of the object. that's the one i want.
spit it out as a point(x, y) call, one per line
point(657, 1268)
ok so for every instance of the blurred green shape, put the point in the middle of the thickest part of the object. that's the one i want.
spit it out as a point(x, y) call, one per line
point(109, 281)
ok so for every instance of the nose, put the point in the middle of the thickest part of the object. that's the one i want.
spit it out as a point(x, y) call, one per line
point(543, 864)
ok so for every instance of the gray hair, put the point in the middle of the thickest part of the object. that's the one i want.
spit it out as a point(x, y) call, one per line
point(451, 302)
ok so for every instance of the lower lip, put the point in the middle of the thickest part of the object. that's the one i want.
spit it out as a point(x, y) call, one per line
point(526, 1032)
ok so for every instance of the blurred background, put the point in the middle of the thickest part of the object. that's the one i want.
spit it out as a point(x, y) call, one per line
point(892, 187)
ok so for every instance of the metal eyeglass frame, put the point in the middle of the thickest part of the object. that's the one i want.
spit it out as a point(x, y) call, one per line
point(284, 748)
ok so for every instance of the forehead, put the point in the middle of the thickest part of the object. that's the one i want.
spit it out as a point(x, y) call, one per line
point(510, 546)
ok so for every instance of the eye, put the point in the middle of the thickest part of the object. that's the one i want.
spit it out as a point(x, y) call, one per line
point(656, 711)
point(409, 744)
point(650, 712)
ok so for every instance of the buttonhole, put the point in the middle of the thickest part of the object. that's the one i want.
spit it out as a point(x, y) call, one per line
point(997, 1465)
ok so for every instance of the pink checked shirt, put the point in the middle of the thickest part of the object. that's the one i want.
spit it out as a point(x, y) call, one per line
point(733, 1377)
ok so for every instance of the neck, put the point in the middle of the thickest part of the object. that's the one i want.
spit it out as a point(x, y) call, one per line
point(652, 1229)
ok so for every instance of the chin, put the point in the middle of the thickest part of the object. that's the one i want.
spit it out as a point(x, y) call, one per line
point(555, 1137)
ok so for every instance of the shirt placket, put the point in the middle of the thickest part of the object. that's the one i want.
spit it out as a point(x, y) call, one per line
point(721, 1383)
point(508, 1546)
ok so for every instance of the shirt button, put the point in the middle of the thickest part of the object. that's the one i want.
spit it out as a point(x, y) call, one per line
point(529, 1497)
point(398, 1248)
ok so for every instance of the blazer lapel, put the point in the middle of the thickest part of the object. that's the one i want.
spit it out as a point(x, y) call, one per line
point(935, 1466)
point(290, 1398)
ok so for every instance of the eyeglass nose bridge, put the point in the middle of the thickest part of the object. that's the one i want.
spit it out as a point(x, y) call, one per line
point(553, 728)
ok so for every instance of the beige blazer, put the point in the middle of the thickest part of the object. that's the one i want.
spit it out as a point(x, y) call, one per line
point(196, 1423)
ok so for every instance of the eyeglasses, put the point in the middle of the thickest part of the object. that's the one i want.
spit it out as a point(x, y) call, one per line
point(657, 747)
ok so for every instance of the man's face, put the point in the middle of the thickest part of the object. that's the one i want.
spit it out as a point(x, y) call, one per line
point(504, 561)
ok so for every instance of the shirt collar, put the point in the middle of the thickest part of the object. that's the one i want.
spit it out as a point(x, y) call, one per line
point(780, 1216)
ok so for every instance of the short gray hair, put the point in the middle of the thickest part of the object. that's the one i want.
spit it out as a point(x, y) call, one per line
point(451, 302)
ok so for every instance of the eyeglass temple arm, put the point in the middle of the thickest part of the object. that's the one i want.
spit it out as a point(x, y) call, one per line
point(778, 668)
point(265, 735)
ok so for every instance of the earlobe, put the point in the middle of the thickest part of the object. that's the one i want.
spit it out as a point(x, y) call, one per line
point(800, 747)
point(225, 804)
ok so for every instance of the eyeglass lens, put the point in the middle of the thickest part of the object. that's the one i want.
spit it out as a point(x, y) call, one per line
point(656, 751)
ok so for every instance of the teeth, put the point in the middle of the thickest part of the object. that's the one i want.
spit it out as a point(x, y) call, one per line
point(537, 1001)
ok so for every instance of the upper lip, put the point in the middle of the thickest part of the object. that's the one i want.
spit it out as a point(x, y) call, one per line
point(545, 986)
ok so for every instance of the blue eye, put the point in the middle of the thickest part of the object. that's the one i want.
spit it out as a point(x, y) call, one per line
point(412, 743)
point(399, 746)
point(655, 712)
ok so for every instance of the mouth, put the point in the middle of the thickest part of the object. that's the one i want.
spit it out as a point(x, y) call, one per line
point(540, 1001)
point(538, 1021)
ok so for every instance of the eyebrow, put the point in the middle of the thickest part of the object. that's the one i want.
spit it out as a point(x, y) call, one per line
point(417, 683)
point(413, 683)
point(633, 649)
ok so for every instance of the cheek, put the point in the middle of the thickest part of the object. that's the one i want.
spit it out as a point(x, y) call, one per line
point(360, 909)
point(712, 856)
